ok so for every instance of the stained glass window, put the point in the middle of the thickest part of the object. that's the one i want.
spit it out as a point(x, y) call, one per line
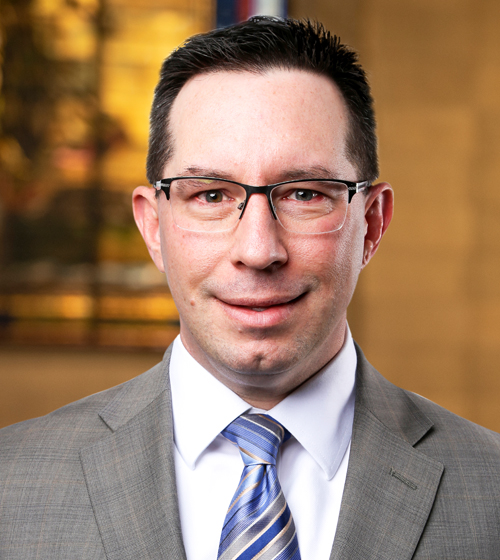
point(77, 78)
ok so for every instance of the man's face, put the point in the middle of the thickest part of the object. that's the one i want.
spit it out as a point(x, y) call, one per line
point(261, 308)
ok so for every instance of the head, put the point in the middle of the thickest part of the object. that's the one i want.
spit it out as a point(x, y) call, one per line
point(260, 44)
point(263, 309)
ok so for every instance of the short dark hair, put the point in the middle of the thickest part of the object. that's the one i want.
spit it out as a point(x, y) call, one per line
point(257, 45)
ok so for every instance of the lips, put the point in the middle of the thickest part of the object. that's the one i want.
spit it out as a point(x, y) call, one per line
point(261, 313)
point(261, 304)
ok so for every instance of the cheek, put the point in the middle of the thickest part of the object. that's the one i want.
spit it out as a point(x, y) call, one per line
point(333, 259)
point(189, 259)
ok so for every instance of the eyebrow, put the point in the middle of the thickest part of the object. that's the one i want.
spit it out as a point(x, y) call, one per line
point(312, 172)
point(204, 172)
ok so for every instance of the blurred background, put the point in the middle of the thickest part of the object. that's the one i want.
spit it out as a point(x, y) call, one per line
point(82, 307)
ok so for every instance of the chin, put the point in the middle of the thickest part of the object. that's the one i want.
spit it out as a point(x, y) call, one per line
point(259, 358)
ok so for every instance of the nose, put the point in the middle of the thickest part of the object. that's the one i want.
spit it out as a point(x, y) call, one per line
point(258, 237)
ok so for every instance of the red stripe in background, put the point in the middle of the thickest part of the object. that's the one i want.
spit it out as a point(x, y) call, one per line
point(244, 9)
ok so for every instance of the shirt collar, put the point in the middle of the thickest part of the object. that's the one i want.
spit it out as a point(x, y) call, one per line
point(319, 414)
point(202, 406)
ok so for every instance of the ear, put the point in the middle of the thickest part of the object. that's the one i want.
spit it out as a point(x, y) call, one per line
point(145, 206)
point(379, 206)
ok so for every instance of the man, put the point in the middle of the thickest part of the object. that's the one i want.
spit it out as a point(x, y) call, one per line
point(263, 213)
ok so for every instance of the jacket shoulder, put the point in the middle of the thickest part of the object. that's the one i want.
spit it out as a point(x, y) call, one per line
point(45, 505)
point(416, 419)
point(68, 428)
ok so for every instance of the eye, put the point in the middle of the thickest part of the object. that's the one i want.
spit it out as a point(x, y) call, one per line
point(211, 196)
point(303, 195)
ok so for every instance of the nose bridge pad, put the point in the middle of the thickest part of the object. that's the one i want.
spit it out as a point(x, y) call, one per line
point(257, 190)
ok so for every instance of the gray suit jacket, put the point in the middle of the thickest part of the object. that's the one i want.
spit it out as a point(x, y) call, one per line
point(95, 479)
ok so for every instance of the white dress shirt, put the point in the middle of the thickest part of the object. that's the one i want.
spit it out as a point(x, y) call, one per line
point(312, 465)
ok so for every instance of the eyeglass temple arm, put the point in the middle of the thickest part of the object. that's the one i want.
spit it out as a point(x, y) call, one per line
point(164, 186)
point(353, 188)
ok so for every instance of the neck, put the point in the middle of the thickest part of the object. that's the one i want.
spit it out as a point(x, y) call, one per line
point(264, 390)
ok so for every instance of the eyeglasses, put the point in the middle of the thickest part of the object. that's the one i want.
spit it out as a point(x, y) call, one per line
point(209, 204)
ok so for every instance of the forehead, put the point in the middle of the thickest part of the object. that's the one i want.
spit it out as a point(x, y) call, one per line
point(238, 121)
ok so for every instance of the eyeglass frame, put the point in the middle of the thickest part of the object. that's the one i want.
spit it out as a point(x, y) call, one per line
point(353, 187)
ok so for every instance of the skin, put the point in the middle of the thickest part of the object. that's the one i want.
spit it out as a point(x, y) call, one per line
point(261, 308)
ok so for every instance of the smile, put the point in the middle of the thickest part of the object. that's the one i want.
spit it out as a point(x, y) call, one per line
point(261, 313)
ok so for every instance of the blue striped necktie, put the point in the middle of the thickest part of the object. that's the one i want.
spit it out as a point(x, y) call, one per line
point(258, 523)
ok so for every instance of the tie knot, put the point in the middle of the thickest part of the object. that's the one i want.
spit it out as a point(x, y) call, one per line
point(258, 437)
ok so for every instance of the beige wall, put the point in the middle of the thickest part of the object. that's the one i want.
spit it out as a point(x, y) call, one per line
point(427, 310)
point(36, 381)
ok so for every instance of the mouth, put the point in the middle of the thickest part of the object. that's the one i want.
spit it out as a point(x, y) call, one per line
point(259, 313)
point(262, 304)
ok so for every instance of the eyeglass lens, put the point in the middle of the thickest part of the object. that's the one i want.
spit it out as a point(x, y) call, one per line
point(207, 205)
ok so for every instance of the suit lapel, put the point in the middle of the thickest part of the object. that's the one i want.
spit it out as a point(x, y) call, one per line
point(130, 473)
point(390, 486)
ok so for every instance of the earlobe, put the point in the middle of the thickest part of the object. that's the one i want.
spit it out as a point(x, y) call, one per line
point(378, 214)
point(145, 207)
